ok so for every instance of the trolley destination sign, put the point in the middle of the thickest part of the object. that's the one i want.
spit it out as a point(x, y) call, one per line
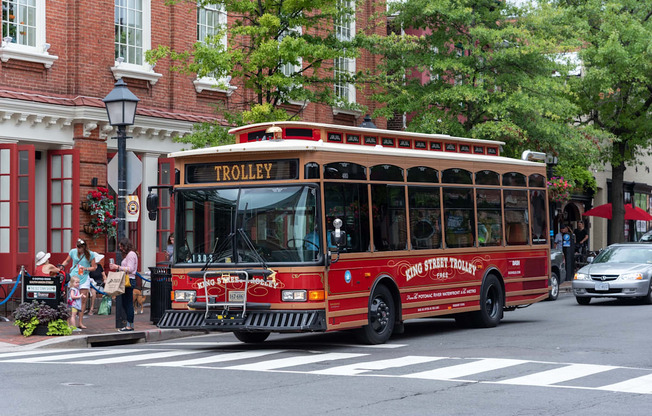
point(257, 170)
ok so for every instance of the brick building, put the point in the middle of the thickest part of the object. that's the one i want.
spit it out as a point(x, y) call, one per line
point(58, 59)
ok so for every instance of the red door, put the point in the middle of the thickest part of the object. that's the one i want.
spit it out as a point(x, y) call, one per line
point(16, 209)
point(63, 203)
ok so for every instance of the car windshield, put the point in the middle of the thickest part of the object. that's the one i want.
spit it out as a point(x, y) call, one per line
point(248, 225)
point(625, 254)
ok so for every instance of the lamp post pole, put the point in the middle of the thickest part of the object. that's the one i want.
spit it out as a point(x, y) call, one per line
point(121, 109)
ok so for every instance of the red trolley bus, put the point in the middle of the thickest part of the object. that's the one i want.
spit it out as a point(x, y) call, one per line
point(306, 227)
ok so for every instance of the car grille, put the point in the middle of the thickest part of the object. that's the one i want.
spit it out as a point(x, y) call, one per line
point(604, 277)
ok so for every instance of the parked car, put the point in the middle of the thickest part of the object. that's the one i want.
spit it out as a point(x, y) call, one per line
point(557, 273)
point(646, 238)
point(619, 271)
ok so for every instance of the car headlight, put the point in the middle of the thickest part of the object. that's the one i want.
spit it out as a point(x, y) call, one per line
point(184, 295)
point(582, 276)
point(630, 276)
point(294, 295)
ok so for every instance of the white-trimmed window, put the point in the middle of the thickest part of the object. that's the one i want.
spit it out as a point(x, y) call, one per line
point(23, 32)
point(342, 67)
point(133, 37)
point(211, 19)
point(287, 68)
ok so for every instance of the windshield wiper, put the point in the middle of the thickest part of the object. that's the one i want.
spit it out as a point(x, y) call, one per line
point(250, 244)
point(218, 249)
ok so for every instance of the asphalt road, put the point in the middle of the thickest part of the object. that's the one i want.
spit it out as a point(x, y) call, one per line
point(553, 358)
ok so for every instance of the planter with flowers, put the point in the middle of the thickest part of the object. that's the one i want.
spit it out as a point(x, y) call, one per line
point(34, 318)
point(101, 206)
point(559, 189)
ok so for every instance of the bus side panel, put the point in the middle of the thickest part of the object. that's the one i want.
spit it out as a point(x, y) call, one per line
point(439, 283)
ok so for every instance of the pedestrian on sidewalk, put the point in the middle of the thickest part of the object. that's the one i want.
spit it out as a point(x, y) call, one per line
point(43, 266)
point(97, 277)
point(75, 303)
point(129, 265)
point(83, 262)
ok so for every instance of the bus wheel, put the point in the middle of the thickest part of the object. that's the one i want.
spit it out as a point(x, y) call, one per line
point(491, 304)
point(251, 337)
point(381, 317)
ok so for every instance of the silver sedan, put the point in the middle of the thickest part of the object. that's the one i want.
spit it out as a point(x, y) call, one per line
point(619, 271)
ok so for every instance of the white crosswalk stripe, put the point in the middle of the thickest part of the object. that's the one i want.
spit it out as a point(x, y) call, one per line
point(642, 385)
point(558, 375)
point(212, 359)
point(359, 368)
point(466, 369)
point(293, 361)
point(435, 368)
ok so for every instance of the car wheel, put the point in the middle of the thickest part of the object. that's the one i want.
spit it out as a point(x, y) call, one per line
point(251, 337)
point(553, 286)
point(583, 300)
point(381, 317)
point(492, 301)
point(648, 299)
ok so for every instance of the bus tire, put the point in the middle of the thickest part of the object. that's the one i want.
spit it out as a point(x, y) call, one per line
point(553, 286)
point(381, 317)
point(492, 301)
point(251, 337)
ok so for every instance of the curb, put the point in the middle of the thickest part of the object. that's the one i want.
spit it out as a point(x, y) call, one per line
point(118, 338)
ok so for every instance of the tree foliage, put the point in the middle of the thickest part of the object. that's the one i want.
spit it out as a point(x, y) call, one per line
point(615, 93)
point(484, 69)
point(281, 51)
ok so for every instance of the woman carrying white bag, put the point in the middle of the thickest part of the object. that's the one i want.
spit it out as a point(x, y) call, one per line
point(129, 265)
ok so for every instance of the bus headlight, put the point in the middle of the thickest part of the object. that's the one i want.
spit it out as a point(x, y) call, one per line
point(184, 295)
point(294, 295)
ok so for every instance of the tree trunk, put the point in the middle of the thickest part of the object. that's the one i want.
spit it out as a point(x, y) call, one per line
point(617, 229)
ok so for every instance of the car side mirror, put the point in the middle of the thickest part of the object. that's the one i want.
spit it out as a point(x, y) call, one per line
point(589, 259)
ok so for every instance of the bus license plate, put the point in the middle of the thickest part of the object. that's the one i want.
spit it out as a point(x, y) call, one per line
point(602, 286)
point(236, 296)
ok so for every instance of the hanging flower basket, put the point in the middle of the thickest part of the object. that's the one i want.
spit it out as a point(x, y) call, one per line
point(101, 206)
point(559, 190)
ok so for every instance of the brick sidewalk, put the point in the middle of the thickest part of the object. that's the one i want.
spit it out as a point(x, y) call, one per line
point(96, 325)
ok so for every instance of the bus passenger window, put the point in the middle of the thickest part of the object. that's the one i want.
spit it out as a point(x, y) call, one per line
point(459, 224)
point(516, 217)
point(425, 217)
point(389, 219)
point(345, 170)
point(457, 176)
point(514, 179)
point(350, 203)
point(386, 173)
point(423, 174)
point(311, 170)
point(539, 220)
point(490, 220)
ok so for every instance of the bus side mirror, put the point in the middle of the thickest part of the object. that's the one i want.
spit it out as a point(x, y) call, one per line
point(152, 206)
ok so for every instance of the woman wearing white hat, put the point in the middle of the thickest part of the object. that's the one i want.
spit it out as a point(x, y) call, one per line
point(43, 266)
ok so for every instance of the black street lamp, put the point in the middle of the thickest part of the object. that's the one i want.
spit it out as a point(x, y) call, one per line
point(551, 162)
point(121, 108)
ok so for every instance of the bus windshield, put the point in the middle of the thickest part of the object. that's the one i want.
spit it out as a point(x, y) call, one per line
point(275, 224)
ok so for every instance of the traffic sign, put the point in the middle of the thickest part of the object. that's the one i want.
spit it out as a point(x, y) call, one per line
point(134, 172)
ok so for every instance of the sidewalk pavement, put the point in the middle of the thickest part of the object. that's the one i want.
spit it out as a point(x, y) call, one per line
point(101, 330)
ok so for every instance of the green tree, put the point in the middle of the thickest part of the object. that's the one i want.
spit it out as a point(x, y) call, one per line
point(615, 94)
point(281, 50)
point(484, 69)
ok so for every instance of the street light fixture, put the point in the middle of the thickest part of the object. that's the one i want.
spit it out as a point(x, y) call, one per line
point(121, 109)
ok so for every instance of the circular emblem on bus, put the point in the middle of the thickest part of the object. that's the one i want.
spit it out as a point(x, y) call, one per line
point(347, 276)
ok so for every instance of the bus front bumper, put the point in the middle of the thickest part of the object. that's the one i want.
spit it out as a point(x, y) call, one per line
point(253, 321)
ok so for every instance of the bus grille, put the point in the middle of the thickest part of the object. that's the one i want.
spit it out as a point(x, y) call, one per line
point(275, 321)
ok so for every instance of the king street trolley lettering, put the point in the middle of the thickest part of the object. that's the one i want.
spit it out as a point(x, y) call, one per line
point(439, 263)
